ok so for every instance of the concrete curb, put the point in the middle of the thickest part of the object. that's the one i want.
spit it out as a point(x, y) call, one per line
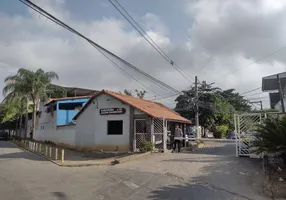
point(104, 162)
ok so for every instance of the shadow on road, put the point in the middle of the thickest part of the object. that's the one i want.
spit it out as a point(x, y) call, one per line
point(231, 178)
point(60, 195)
point(188, 191)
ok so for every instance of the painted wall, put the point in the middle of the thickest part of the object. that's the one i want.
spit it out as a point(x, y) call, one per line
point(66, 135)
point(91, 127)
point(65, 117)
point(47, 124)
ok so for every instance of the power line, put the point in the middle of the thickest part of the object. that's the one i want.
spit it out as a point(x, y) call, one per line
point(258, 98)
point(251, 90)
point(260, 59)
point(143, 33)
point(127, 74)
point(254, 94)
point(98, 47)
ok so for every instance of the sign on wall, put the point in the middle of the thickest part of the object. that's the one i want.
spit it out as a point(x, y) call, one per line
point(112, 111)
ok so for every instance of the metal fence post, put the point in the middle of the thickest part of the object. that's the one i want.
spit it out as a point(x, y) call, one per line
point(46, 152)
point(63, 155)
point(50, 152)
point(56, 153)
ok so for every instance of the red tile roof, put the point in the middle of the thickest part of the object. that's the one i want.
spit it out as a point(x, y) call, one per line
point(151, 108)
point(66, 98)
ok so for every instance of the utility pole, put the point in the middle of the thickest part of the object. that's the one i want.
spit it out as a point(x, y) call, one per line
point(197, 106)
point(281, 93)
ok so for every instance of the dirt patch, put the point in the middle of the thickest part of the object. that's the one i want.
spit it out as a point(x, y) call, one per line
point(275, 183)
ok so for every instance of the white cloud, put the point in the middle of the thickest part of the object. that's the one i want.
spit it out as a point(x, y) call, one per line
point(226, 35)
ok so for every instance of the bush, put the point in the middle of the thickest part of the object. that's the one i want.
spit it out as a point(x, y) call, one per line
point(271, 137)
point(220, 131)
point(146, 146)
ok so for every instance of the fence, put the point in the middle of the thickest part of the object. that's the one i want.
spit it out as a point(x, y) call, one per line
point(158, 129)
point(140, 130)
point(245, 128)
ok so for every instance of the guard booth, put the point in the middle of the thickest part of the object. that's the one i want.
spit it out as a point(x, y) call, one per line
point(159, 131)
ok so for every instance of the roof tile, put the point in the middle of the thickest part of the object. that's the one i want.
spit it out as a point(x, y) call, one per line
point(151, 108)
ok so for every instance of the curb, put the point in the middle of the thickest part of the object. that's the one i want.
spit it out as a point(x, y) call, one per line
point(106, 162)
point(30, 151)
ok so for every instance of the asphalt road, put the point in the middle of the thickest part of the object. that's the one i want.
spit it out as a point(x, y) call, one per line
point(25, 176)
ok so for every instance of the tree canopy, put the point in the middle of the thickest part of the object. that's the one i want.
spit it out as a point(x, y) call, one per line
point(216, 106)
point(25, 86)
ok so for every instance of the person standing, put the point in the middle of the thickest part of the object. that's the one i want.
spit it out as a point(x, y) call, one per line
point(177, 138)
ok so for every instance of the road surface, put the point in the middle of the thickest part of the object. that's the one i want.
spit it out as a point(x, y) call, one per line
point(25, 176)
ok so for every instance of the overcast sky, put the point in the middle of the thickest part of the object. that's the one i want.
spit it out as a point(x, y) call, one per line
point(213, 39)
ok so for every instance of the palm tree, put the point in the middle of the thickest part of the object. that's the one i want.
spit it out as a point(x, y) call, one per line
point(16, 93)
point(32, 86)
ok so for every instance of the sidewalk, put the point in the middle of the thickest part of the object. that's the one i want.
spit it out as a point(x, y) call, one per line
point(70, 158)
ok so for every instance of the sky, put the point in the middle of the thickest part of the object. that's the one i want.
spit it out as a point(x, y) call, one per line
point(219, 41)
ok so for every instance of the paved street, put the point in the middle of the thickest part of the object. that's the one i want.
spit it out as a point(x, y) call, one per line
point(200, 175)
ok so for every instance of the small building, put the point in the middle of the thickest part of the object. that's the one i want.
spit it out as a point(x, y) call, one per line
point(114, 121)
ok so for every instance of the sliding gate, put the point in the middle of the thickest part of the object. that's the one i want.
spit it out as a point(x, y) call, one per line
point(245, 126)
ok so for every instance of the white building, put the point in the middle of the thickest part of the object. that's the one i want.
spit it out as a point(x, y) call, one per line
point(272, 85)
point(113, 121)
point(54, 122)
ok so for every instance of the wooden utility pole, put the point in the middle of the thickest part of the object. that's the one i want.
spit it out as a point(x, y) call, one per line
point(197, 106)
point(281, 93)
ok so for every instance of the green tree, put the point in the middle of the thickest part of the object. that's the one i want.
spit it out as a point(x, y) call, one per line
point(209, 105)
point(128, 92)
point(271, 137)
point(140, 94)
point(216, 107)
point(30, 85)
point(236, 100)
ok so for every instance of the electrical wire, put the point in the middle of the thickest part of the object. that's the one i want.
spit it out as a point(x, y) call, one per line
point(143, 33)
point(128, 74)
point(127, 64)
point(254, 94)
point(251, 90)
point(260, 59)
point(258, 98)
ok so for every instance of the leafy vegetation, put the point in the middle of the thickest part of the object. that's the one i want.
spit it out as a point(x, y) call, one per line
point(146, 146)
point(216, 107)
point(221, 131)
point(140, 94)
point(271, 136)
point(27, 87)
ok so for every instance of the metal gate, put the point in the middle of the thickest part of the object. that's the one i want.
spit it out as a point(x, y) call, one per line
point(245, 125)
point(140, 131)
point(158, 136)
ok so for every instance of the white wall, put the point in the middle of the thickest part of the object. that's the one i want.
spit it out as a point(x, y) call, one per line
point(46, 125)
point(66, 135)
point(47, 129)
point(91, 127)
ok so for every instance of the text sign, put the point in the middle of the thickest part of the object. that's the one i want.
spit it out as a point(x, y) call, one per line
point(112, 111)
